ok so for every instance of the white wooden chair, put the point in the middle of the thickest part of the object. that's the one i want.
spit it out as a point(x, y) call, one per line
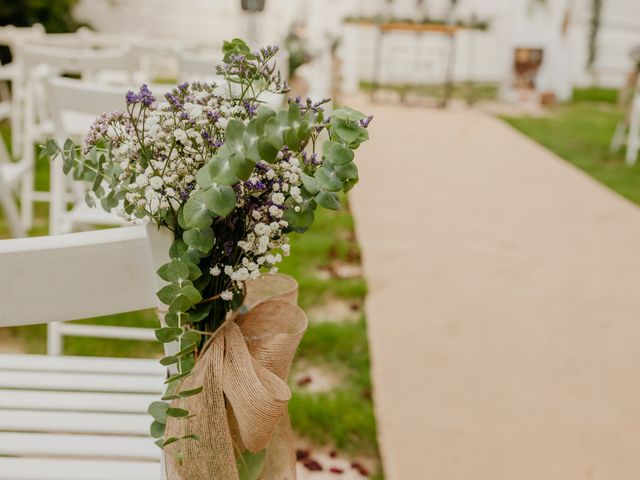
point(11, 37)
point(155, 58)
point(38, 64)
point(74, 105)
point(199, 66)
point(12, 177)
point(633, 138)
point(78, 418)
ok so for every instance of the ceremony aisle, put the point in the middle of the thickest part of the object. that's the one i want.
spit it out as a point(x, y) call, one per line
point(502, 306)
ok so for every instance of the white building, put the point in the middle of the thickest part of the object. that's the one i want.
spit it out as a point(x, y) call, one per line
point(206, 21)
point(482, 56)
point(489, 56)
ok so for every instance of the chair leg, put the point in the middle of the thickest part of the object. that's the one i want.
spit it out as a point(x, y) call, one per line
point(17, 120)
point(618, 137)
point(57, 199)
point(26, 200)
point(54, 339)
point(11, 211)
point(633, 142)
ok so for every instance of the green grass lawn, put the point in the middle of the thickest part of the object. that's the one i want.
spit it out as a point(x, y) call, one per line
point(341, 417)
point(464, 90)
point(580, 132)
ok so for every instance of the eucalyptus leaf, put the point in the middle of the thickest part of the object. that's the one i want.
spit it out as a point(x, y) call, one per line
point(177, 412)
point(347, 113)
point(187, 350)
point(192, 293)
point(201, 239)
point(250, 465)
point(182, 303)
point(336, 153)
point(310, 184)
point(157, 429)
point(169, 293)
point(327, 179)
point(195, 212)
point(220, 199)
point(190, 393)
point(174, 271)
point(158, 410)
point(169, 441)
point(167, 334)
point(169, 360)
point(190, 337)
point(220, 167)
point(199, 313)
point(328, 200)
point(175, 378)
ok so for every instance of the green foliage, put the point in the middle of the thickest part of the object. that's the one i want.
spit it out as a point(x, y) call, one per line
point(56, 16)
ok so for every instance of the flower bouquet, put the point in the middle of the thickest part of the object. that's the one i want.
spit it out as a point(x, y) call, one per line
point(230, 178)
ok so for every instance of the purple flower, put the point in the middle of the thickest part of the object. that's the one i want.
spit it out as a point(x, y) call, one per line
point(144, 96)
point(250, 108)
point(174, 101)
point(366, 121)
point(131, 97)
point(213, 115)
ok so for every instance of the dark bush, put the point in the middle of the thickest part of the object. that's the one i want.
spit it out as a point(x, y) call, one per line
point(55, 15)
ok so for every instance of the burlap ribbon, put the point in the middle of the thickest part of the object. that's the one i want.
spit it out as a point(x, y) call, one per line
point(243, 405)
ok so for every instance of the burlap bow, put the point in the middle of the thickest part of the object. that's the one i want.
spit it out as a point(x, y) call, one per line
point(243, 405)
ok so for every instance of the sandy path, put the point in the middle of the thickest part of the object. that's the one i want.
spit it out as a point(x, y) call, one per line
point(504, 306)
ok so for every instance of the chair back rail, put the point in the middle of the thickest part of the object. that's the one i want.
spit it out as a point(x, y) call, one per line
point(80, 275)
point(81, 61)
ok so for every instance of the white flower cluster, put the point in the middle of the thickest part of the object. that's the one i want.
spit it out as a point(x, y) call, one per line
point(159, 147)
point(265, 243)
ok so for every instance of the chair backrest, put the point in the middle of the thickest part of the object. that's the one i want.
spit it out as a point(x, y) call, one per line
point(69, 100)
point(10, 35)
point(80, 275)
point(198, 67)
point(80, 61)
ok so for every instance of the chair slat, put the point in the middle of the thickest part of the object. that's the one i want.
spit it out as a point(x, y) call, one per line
point(47, 363)
point(74, 422)
point(103, 331)
point(78, 446)
point(58, 469)
point(80, 382)
point(75, 401)
point(76, 276)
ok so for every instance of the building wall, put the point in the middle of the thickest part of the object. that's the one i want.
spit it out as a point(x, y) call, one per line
point(486, 56)
point(482, 56)
point(208, 21)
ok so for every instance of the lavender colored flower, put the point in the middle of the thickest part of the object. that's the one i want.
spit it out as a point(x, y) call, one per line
point(366, 121)
point(251, 108)
point(174, 101)
point(144, 96)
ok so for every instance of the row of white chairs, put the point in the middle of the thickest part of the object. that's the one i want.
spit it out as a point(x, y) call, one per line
point(98, 58)
point(34, 111)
